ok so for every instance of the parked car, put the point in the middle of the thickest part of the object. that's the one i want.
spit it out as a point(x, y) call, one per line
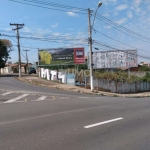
point(32, 70)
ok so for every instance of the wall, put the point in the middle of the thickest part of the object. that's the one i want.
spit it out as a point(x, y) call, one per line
point(119, 87)
point(52, 75)
point(6, 70)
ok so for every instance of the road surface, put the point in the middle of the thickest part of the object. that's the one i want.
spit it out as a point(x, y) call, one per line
point(38, 118)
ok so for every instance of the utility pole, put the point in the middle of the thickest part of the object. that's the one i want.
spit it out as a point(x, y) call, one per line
point(90, 49)
point(27, 59)
point(18, 26)
point(90, 44)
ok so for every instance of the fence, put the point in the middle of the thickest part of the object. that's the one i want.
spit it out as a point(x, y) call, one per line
point(105, 85)
point(119, 87)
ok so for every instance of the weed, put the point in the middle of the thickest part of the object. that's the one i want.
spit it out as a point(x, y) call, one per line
point(115, 95)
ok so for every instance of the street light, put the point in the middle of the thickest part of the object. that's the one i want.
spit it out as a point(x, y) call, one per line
point(90, 44)
point(99, 5)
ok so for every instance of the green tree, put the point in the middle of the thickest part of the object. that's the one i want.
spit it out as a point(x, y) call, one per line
point(5, 49)
point(144, 68)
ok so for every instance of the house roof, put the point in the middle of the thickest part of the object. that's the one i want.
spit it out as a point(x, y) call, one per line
point(16, 65)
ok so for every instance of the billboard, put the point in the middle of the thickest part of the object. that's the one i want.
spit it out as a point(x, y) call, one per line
point(114, 59)
point(79, 56)
point(61, 56)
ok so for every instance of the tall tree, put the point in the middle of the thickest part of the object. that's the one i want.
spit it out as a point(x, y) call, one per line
point(5, 49)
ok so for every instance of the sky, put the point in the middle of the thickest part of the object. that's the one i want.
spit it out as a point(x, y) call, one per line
point(59, 23)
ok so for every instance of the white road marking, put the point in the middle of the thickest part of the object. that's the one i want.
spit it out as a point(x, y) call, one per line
point(41, 98)
point(83, 97)
point(6, 93)
point(63, 98)
point(17, 98)
point(101, 123)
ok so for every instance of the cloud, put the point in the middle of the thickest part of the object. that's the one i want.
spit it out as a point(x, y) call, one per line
point(56, 34)
point(137, 2)
point(8, 29)
point(107, 2)
point(122, 7)
point(107, 27)
point(129, 14)
point(116, 13)
point(71, 29)
point(72, 14)
point(54, 25)
point(138, 10)
point(26, 29)
point(106, 14)
point(121, 21)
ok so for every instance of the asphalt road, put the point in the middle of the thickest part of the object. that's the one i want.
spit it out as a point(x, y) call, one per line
point(71, 121)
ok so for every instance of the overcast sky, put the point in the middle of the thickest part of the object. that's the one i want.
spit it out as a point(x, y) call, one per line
point(69, 28)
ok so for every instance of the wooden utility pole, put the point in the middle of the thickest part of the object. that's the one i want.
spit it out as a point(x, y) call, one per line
point(18, 26)
point(27, 59)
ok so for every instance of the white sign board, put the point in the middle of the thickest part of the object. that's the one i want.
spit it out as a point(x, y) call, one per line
point(114, 59)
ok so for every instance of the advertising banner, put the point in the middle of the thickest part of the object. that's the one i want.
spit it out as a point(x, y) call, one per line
point(61, 56)
point(70, 79)
point(79, 56)
point(114, 59)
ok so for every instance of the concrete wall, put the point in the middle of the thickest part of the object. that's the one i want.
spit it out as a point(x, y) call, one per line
point(119, 87)
point(6, 70)
point(52, 75)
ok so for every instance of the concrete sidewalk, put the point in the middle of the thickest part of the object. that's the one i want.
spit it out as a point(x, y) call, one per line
point(53, 84)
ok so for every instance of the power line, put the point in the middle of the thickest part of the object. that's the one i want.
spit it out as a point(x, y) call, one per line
point(49, 39)
point(47, 7)
point(100, 17)
point(106, 45)
point(123, 29)
point(121, 42)
point(114, 48)
point(55, 4)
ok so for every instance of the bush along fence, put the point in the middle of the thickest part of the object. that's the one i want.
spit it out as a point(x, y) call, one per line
point(120, 82)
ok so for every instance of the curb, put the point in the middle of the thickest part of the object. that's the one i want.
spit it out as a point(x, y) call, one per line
point(94, 93)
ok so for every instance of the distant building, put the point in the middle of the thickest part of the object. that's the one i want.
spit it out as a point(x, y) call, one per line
point(14, 68)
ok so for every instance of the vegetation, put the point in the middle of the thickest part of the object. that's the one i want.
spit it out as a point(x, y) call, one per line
point(101, 74)
point(5, 49)
point(57, 67)
point(122, 76)
point(146, 78)
point(144, 68)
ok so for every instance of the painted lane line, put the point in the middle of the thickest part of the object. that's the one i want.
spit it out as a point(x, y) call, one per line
point(17, 98)
point(83, 97)
point(6, 93)
point(101, 123)
point(47, 115)
point(41, 98)
point(63, 98)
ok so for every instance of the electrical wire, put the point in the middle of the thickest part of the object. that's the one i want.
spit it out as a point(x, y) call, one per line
point(114, 48)
point(120, 41)
point(124, 30)
point(85, 44)
point(122, 27)
point(47, 7)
